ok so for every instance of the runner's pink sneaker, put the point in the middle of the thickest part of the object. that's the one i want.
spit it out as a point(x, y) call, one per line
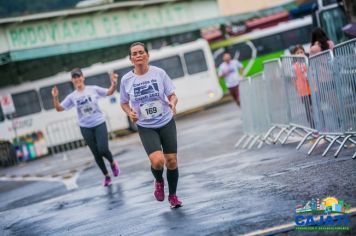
point(107, 181)
point(115, 168)
point(159, 191)
point(174, 201)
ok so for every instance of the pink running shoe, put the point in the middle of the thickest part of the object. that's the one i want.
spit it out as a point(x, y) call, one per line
point(159, 191)
point(115, 168)
point(107, 181)
point(174, 201)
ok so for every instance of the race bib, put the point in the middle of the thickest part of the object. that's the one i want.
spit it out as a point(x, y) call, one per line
point(87, 109)
point(151, 110)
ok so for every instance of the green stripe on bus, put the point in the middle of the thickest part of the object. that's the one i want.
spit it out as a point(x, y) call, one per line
point(258, 64)
point(228, 42)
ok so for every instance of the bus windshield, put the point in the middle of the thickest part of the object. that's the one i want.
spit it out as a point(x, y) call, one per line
point(332, 20)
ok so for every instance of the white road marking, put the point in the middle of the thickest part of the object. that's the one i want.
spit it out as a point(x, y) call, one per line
point(199, 162)
point(69, 180)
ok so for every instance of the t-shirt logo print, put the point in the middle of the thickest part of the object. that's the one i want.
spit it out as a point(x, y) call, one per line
point(84, 100)
point(85, 105)
point(145, 89)
point(147, 93)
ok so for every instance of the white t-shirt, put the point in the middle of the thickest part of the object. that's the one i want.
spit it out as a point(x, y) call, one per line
point(148, 96)
point(233, 78)
point(86, 102)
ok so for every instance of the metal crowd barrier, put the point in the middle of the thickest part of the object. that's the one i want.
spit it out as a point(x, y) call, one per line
point(64, 135)
point(278, 108)
point(345, 75)
point(323, 85)
point(248, 113)
point(295, 72)
point(298, 94)
point(315, 101)
point(327, 109)
point(255, 118)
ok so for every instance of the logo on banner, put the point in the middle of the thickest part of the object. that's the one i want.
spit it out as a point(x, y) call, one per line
point(317, 214)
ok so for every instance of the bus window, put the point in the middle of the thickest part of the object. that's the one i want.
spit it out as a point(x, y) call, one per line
point(331, 21)
point(195, 62)
point(121, 72)
point(2, 117)
point(218, 55)
point(297, 36)
point(101, 80)
point(172, 65)
point(241, 51)
point(46, 96)
point(26, 103)
point(269, 44)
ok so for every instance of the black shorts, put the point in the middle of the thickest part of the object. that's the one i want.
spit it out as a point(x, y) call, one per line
point(156, 139)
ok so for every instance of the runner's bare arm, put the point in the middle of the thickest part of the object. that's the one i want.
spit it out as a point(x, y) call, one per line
point(131, 113)
point(113, 86)
point(56, 103)
point(173, 100)
point(241, 71)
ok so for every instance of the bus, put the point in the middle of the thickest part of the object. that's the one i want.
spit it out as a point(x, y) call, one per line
point(255, 47)
point(190, 66)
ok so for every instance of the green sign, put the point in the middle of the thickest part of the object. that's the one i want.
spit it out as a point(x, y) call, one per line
point(55, 31)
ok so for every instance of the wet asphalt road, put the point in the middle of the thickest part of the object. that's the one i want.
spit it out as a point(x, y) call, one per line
point(225, 191)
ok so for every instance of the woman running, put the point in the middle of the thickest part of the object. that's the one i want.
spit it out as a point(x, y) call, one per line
point(91, 119)
point(148, 98)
